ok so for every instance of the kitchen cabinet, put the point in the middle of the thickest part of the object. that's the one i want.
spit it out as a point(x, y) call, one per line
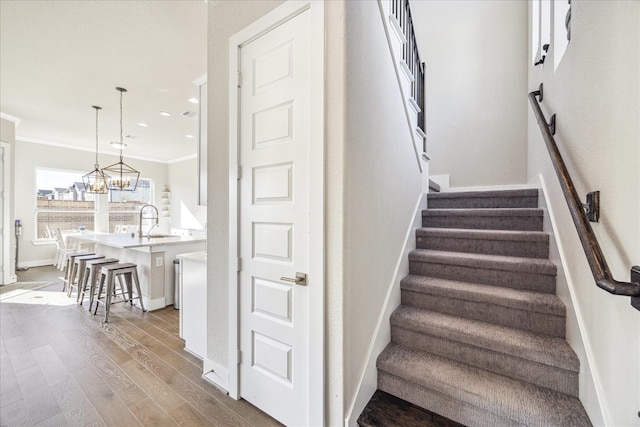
point(193, 302)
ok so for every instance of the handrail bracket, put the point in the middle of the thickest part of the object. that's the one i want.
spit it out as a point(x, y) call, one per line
point(635, 277)
point(592, 207)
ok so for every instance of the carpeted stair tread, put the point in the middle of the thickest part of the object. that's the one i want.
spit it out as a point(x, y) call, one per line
point(522, 198)
point(514, 401)
point(532, 244)
point(542, 349)
point(494, 262)
point(464, 233)
point(480, 212)
point(537, 302)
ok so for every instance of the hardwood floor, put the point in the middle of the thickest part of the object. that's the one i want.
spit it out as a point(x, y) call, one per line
point(60, 365)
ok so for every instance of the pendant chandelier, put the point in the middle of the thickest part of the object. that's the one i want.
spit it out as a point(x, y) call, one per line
point(96, 181)
point(122, 177)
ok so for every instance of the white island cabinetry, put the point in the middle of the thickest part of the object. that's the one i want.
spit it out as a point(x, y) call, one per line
point(193, 302)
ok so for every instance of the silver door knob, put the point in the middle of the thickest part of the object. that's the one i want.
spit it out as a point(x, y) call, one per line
point(300, 279)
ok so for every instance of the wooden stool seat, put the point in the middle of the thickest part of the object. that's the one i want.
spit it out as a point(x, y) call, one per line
point(70, 262)
point(109, 274)
point(91, 270)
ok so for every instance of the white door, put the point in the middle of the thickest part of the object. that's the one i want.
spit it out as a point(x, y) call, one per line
point(274, 220)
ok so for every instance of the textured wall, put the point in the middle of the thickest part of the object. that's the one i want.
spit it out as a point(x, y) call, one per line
point(595, 92)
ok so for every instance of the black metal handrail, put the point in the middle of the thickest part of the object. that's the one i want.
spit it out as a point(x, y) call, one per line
point(598, 264)
point(410, 55)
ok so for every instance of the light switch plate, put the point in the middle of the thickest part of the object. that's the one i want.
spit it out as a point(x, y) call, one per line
point(159, 261)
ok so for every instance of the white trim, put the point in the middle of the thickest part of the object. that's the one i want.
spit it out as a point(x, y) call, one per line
point(415, 106)
point(406, 71)
point(263, 25)
point(7, 276)
point(91, 150)
point(13, 119)
point(43, 242)
point(396, 29)
point(153, 304)
point(382, 333)
point(216, 374)
point(571, 285)
point(38, 262)
point(200, 80)
point(402, 94)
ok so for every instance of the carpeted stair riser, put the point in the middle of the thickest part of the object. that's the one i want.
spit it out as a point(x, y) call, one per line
point(484, 219)
point(501, 400)
point(512, 276)
point(509, 243)
point(489, 199)
point(561, 380)
point(547, 324)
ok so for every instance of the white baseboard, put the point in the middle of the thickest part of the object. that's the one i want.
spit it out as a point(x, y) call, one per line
point(367, 383)
point(590, 383)
point(216, 374)
point(37, 263)
point(154, 304)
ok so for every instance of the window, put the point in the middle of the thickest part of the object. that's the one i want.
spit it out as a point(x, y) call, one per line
point(124, 206)
point(61, 201)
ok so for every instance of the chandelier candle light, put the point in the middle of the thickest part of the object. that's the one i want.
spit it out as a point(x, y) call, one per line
point(96, 181)
point(122, 176)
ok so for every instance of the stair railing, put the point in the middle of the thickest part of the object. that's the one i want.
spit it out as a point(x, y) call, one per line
point(597, 262)
point(402, 12)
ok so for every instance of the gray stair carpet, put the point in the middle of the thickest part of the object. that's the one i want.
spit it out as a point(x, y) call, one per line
point(479, 335)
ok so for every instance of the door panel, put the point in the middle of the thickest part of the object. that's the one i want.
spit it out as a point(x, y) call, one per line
point(274, 220)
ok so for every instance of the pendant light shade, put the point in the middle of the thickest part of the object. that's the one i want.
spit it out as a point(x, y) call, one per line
point(96, 181)
point(122, 177)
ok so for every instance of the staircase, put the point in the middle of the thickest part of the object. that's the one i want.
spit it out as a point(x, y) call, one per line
point(479, 335)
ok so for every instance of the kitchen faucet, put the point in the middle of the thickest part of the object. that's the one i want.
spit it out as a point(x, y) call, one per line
point(157, 218)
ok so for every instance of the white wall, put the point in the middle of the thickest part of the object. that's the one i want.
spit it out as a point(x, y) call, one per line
point(476, 67)
point(185, 212)
point(383, 185)
point(225, 19)
point(595, 93)
point(8, 135)
point(29, 156)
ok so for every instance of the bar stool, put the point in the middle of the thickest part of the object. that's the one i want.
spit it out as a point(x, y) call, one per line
point(90, 277)
point(77, 272)
point(70, 262)
point(109, 274)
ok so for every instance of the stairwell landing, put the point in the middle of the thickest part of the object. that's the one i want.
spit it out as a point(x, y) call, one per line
point(479, 335)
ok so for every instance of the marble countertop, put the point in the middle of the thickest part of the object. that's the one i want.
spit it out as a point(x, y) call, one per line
point(124, 240)
point(194, 256)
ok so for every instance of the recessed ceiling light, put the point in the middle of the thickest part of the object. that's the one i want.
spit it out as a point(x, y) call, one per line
point(144, 125)
point(193, 100)
point(164, 113)
point(189, 136)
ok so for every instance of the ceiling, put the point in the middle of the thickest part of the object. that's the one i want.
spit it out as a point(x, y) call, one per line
point(58, 58)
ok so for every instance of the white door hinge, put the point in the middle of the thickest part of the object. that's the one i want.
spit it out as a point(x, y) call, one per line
point(239, 172)
point(238, 264)
point(238, 357)
point(239, 79)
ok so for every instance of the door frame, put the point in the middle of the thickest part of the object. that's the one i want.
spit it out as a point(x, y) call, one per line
point(281, 14)
point(7, 277)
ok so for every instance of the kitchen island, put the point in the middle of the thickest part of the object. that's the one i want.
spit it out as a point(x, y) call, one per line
point(154, 257)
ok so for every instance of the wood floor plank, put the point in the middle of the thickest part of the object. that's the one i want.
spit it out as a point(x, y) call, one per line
point(53, 369)
point(15, 414)
point(187, 416)
point(75, 405)
point(156, 389)
point(108, 405)
point(150, 414)
point(130, 371)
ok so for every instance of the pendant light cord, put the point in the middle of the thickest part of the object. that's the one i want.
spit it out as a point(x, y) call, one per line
point(121, 140)
point(97, 109)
